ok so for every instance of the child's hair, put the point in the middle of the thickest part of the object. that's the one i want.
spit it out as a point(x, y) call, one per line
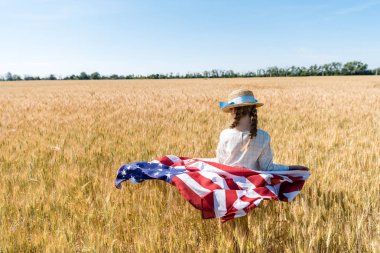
point(250, 110)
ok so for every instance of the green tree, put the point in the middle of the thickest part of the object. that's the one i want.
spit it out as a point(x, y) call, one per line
point(74, 77)
point(95, 76)
point(52, 77)
point(214, 73)
point(272, 71)
point(314, 70)
point(336, 68)
point(16, 77)
point(84, 76)
point(8, 76)
point(354, 68)
point(114, 77)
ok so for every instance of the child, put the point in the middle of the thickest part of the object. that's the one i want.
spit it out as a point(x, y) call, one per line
point(243, 145)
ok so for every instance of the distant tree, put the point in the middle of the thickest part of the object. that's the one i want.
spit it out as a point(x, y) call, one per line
point(16, 77)
point(95, 76)
point(260, 72)
point(314, 70)
point(230, 74)
point(206, 74)
point(249, 74)
point(282, 72)
point(293, 71)
point(84, 76)
point(354, 68)
point(336, 68)
point(8, 76)
point(114, 77)
point(215, 73)
point(303, 71)
point(52, 77)
point(272, 71)
point(27, 78)
point(326, 69)
point(198, 75)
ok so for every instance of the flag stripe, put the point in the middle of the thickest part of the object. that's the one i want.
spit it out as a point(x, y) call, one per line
point(215, 178)
point(203, 181)
point(187, 193)
point(193, 185)
point(220, 204)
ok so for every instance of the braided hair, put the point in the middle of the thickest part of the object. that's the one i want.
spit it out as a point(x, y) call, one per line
point(242, 111)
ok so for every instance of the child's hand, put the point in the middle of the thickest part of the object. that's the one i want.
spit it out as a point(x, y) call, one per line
point(298, 167)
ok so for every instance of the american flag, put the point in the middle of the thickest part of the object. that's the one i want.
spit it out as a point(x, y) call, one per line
point(218, 190)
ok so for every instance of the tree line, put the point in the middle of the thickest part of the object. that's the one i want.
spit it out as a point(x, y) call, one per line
point(329, 69)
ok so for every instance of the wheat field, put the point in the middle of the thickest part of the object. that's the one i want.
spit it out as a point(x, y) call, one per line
point(61, 143)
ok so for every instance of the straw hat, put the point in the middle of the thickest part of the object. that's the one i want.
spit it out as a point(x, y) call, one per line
point(240, 97)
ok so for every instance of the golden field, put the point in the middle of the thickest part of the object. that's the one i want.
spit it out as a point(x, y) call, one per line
point(61, 143)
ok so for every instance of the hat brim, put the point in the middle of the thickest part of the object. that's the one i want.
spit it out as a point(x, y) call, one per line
point(227, 108)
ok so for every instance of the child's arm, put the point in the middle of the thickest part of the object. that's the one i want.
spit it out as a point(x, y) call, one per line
point(298, 167)
point(266, 158)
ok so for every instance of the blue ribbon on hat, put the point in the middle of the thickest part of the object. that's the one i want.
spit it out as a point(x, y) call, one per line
point(238, 100)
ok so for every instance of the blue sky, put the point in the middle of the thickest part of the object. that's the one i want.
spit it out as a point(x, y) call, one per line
point(39, 37)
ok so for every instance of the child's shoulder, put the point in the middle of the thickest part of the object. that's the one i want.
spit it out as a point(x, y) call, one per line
point(262, 133)
point(263, 136)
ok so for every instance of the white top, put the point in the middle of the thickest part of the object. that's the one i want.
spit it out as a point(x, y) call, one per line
point(258, 156)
